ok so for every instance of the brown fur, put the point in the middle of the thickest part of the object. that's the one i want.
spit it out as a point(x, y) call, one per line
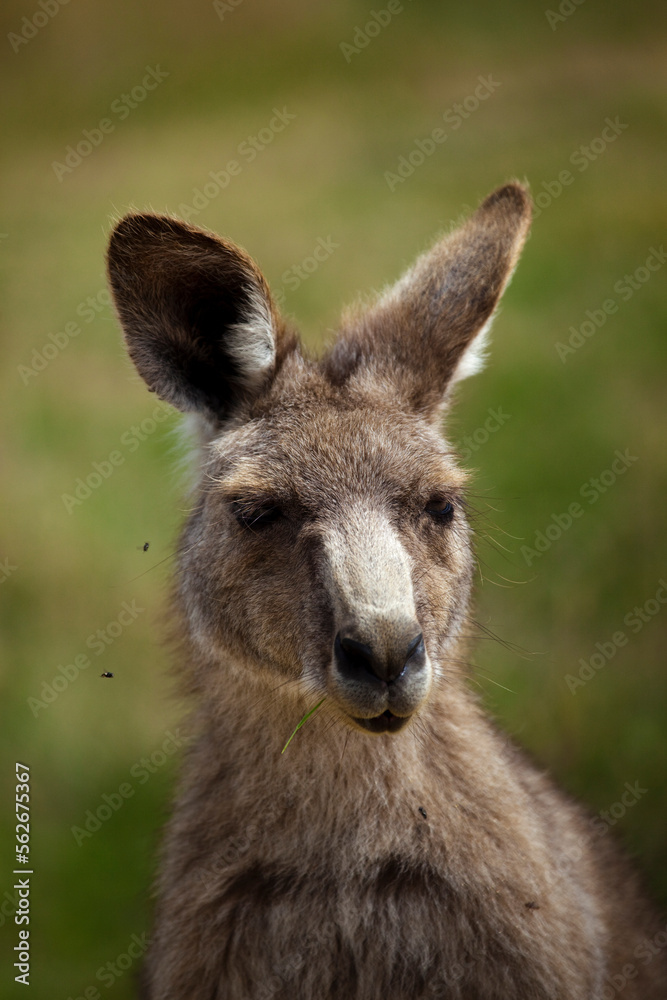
point(433, 861)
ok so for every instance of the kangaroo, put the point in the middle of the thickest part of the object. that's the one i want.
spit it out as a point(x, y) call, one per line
point(401, 847)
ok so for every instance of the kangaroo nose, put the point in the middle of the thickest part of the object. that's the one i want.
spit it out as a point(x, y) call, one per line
point(358, 661)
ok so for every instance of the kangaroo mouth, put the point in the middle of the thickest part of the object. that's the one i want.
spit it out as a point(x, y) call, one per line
point(385, 723)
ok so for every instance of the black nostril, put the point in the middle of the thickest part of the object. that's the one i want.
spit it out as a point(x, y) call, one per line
point(355, 657)
point(416, 649)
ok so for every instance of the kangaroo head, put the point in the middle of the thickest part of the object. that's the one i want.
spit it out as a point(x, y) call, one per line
point(327, 545)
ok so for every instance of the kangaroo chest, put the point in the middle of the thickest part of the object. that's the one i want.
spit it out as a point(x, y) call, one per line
point(398, 929)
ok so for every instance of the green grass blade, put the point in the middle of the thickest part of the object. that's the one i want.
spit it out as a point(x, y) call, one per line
point(299, 725)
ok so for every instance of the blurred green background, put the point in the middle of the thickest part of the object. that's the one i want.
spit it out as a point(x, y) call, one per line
point(360, 100)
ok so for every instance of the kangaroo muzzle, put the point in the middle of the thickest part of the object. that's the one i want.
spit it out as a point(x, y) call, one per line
point(379, 671)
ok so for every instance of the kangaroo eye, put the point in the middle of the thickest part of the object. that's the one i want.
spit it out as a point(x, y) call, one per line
point(251, 514)
point(442, 510)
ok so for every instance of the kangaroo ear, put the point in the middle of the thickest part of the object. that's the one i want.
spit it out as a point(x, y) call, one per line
point(428, 330)
point(197, 314)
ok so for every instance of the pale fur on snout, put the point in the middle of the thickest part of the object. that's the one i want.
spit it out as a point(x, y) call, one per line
point(368, 576)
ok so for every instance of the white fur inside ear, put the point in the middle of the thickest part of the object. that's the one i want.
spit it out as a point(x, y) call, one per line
point(475, 355)
point(252, 343)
